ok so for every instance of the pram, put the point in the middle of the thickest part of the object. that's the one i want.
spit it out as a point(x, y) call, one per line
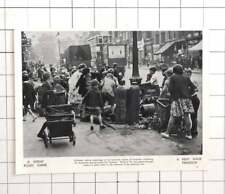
point(155, 111)
point(60, 120)
point(152, 107)
point(50, 97)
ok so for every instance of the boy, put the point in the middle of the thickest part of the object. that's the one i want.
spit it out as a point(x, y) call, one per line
point(151, 77)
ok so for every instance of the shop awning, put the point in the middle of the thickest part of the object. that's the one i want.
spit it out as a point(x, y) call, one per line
point(197, 47)
point(164, 48)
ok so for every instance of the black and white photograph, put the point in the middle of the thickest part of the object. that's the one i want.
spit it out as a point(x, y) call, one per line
point(111, 93)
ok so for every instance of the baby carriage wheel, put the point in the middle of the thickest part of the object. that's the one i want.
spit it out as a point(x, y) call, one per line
point(74, 141)
point(45, 139)
point(50, 140)
point(73, 138)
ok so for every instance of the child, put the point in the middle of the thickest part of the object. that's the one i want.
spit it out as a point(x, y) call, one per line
point(196, 103)
point(94, 103)
point(28, 97)
point(181, 104)
point(151, 76)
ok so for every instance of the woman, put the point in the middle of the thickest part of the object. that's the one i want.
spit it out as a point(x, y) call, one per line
point(83, 84)
point(59, 92)
point(164, 110)
point(181, 105)
point(43, 93)
point(73, 95)
point(108, 90)
point(165, 89)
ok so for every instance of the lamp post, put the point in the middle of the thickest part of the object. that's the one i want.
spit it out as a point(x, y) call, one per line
point(135, 79)
point(133, 94)
point(59, 47)
point(152, 50)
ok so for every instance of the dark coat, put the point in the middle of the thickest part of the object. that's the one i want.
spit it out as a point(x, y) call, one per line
point(180, 87)
point(93, 98)
point(83, 84)
point(28, 94)
point(44, 94)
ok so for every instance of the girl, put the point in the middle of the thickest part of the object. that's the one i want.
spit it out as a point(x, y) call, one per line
point(94, 103)
point(181, 105)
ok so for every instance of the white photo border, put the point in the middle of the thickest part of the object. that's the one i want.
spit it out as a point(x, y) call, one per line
point(42, 165)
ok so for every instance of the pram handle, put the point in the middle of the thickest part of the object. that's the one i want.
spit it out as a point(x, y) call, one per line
point(60, 106)
point(159, 101)
point(52, 115)
point(61, 121)
point(164, 99)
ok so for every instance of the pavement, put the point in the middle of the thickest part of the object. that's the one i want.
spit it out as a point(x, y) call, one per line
point(125, 140)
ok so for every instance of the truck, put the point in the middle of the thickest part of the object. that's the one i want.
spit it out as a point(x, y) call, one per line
point(77, 54)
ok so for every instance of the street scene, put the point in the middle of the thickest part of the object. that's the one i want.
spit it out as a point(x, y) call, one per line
point(112, 93)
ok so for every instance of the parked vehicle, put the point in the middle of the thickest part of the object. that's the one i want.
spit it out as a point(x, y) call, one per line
point(77, 54)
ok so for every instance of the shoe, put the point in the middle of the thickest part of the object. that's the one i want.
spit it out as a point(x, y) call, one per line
point(195, 134)
point(102, 127)
point(92, 128)
point(34, 119)
point(188, 137)
point(165, 135)
point(113, 117)
point(40, 135)
point(74, 124)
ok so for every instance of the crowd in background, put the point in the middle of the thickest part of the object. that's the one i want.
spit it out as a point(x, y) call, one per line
point(79, 85)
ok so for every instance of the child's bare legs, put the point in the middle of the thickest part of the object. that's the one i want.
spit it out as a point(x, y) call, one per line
point(32, 114)
point(92, 121)
point(25, 117)
point(188, 125)
point(99, 119)
point(101, 122)
point(28, 110)
point(24, 113)
point(170, 127)
point(113, 108)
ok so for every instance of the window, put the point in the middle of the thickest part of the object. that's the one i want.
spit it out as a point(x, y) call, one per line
point(116, 34)
point(149, 35)
point(100, 41)
point(163, 37)
point(157, 38)
point(170, 35)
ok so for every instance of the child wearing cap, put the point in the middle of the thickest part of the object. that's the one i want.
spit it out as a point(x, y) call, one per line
point(94, 103)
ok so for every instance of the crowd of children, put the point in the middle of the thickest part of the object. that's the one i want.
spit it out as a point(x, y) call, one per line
point(96, 88)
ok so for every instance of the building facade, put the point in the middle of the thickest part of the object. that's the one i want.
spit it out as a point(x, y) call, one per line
point(156, 46)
